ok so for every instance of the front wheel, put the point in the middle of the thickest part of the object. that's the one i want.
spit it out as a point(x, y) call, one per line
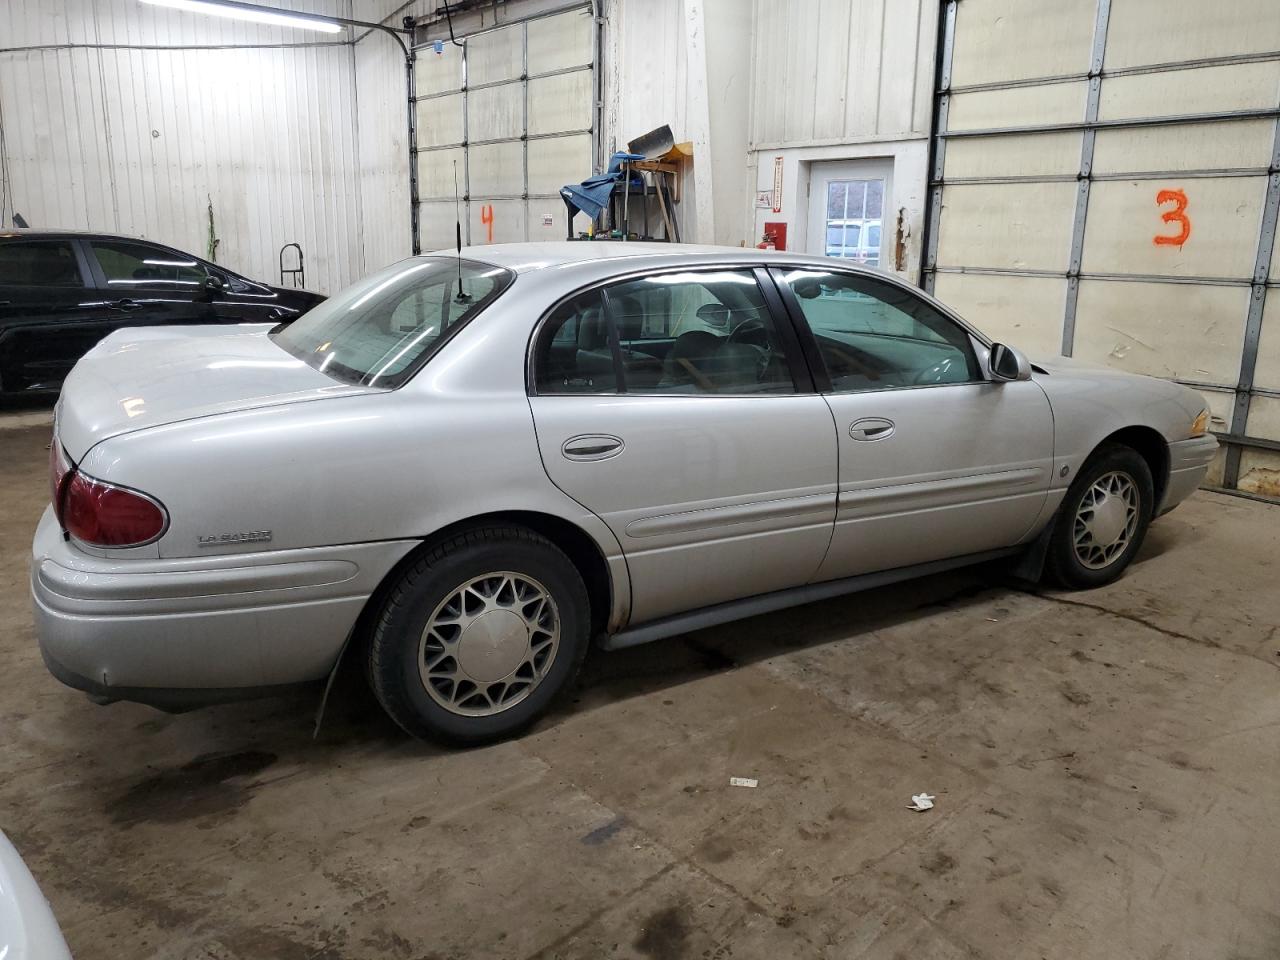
point(479, 637)
point(1103, 519)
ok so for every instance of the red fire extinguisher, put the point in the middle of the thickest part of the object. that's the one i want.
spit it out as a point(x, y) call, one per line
point(767, 243)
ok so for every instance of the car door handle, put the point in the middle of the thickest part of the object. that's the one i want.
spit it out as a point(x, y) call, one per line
point(871, 428)
point(592, 446)
point(124, 304)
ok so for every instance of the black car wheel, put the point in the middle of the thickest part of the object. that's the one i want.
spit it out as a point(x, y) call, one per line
point(1103, 519)
point(479, 637)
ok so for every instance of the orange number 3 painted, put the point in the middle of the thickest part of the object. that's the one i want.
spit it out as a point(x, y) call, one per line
point(1176, 215)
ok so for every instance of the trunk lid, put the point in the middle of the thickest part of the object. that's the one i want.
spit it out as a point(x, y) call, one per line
point(149, 376)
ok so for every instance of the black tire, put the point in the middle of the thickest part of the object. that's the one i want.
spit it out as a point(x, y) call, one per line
point(395, 645)
point(1062, 563)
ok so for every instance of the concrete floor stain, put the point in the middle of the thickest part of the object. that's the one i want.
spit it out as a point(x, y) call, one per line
point(197, 789)
point(665, 934)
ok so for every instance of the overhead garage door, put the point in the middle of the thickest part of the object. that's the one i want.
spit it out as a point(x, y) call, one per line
point(510, 113)
point(1105, 185)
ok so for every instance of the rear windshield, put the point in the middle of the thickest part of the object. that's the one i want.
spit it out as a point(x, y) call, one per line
point(380, 331)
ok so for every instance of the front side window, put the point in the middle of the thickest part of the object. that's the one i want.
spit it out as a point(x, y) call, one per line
point(874, 335)
point(50, 263)
point(129, 265)
point(698, 332)
point(380, 331)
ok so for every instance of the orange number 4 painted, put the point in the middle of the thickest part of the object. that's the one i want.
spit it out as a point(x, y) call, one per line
point(1176, 215)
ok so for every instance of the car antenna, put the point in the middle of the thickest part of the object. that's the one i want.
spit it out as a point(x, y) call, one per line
point(462, 296)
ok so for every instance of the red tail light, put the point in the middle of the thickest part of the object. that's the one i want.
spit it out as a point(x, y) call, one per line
point(60, 468)
point(104, 515)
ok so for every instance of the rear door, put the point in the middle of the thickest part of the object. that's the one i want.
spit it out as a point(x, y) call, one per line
point(50, 314)
point(693, 432)
point(936, 460)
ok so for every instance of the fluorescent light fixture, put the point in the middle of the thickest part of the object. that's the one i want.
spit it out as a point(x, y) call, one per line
point(251, 13)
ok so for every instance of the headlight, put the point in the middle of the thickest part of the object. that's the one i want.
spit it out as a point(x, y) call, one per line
point(1201, 425)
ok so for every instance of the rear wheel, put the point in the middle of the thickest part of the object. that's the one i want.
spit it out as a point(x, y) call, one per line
point(479, 637)
point(1103, 519)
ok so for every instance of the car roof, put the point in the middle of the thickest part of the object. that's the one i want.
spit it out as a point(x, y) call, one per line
point(527, 257)
point(41, 233)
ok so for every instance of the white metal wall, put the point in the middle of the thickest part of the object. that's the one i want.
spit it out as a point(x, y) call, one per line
point(129, 118)
point(1106, 185)
point(841, 80)
point(509, 111)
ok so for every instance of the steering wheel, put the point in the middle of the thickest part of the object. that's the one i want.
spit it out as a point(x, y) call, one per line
point(742, 331)
point(940, 372)
point(753, 334)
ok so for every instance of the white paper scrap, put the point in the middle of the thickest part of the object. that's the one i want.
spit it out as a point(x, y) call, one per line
point(921, 801)
point(743, 782)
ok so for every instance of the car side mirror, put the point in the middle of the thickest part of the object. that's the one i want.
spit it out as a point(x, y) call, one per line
point(211, 286)
point(1006, 363)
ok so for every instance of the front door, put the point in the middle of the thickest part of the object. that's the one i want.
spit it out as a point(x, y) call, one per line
point(150, 285)
point(936, 460)
point(675, 407)
point(848, 202)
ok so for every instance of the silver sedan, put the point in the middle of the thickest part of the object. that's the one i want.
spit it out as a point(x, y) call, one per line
point(464, 469)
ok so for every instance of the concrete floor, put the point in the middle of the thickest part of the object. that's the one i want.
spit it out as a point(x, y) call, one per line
point(1105, 765)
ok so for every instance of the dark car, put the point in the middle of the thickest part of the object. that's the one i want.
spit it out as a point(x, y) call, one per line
point(61, 292)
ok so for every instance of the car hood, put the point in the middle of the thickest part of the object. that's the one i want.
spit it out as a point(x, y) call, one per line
point(296, 298)
point(1076, 367)
point(149, 376)
point(28, 930)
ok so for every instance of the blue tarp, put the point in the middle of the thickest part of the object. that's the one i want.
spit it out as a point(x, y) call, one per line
point(591, 196)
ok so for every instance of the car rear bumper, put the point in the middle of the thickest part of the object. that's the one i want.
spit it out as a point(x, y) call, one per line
point(1188, 463)
point(181, 632)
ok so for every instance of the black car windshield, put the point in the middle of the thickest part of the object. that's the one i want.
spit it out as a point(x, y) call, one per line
point(380, 331)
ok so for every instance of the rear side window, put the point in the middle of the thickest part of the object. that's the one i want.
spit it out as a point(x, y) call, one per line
point(43, 263)
point(381, 330)
point(138, 264)
point(575, 353)
point(696, 332)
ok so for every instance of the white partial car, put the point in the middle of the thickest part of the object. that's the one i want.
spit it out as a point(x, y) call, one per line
point(465, 468)
point(28, 930)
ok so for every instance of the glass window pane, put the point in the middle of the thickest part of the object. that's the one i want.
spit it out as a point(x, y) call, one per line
point(497, 221)
point(559, 42)
point(875, 335)
point(555, 161)
point(560, 103)
point(875, 199)
point(382, 329)
point(136, 264)
point(435, 173)
point(573, 352)
point(495, 55)
point(440, 121)
point(700, 333)
point(438, 72)
point(39, 264)
point(495, 112)
point(836, 190)
point(497, 170)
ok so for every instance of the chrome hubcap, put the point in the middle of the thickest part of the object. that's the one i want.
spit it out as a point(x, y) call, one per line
point(1106, 520)
point(489, 644)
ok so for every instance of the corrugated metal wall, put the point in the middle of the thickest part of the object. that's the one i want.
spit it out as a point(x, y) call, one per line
point(843, 80)
point(841, 70)
point(1106, 185)
point(122, 117)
